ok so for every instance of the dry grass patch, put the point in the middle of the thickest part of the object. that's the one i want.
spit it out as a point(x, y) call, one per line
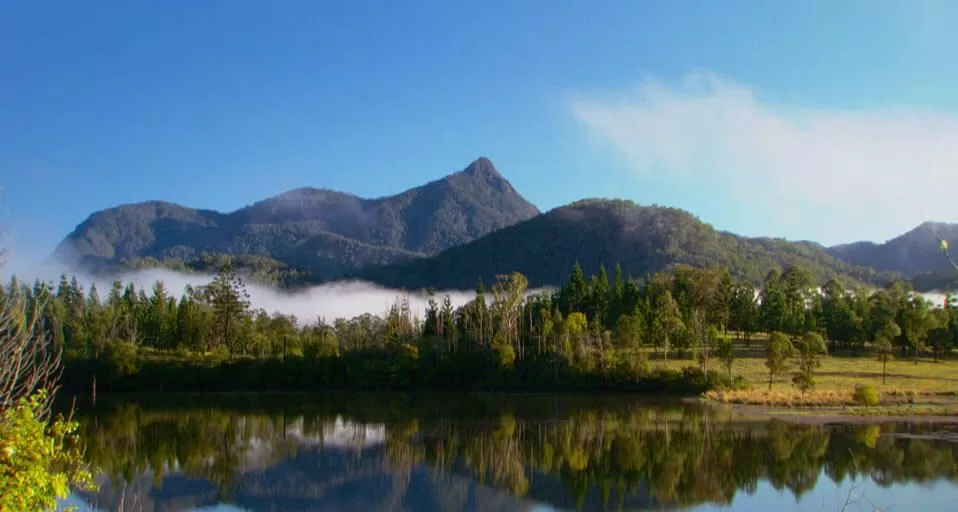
point(785, 397)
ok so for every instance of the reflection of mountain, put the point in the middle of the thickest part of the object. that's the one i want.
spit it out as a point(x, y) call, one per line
point(396, 453)
point(317, 479)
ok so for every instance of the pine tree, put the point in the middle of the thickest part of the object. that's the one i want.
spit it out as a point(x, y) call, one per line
point(229, 300)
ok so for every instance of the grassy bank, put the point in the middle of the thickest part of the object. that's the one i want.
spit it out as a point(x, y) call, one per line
point(904, 387)
point(844, 372)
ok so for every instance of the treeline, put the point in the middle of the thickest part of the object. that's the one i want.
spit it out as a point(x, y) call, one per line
point(595, 333)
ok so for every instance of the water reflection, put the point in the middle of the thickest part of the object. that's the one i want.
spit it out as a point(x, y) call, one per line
point(369, 452)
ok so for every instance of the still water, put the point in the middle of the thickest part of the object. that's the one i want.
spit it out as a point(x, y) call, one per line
point(368, 452)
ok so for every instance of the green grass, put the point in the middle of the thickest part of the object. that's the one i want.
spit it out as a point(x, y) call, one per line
point(844, 372)
point(929, 383)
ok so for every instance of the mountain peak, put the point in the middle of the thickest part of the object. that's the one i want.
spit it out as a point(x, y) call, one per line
point(482, 167)
point(325, 230)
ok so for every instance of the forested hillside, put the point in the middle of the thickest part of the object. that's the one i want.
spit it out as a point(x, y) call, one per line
point(915, 252)
point(322, 232)
point(643, 240)
point(469, 225)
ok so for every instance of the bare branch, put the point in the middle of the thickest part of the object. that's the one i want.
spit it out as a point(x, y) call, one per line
point(944, 247)
point(29, 360)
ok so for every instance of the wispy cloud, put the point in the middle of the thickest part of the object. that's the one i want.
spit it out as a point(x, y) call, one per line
point(826, 174)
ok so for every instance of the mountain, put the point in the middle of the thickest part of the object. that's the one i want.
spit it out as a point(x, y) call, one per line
point(643, 239)
point(324, 231)
point(913, 253)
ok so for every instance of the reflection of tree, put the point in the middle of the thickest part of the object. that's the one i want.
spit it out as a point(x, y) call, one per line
point(608, 457)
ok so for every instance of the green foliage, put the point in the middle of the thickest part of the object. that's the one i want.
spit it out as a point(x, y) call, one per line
point(725, 352)
point(883, 344)
point(591, 333)
point(39, 461)
point(777, 354)
point(865, 394)
point(123, 358)
point(809, 348)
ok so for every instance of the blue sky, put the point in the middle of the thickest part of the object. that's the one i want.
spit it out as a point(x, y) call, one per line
point(823, 120)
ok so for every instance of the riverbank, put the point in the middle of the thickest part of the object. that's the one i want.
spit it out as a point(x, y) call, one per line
point(838, 406)
point(372, 370)
point(848, 416)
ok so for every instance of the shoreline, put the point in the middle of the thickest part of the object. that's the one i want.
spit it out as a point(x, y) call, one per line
point(936, 413)
point(824, 416)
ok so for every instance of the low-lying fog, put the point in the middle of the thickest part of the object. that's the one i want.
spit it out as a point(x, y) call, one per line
point(328, 301)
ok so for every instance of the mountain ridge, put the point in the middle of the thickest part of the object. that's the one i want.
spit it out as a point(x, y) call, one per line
point(912, 253)
point(416, 222)
point(414, 237)
point(594, 232)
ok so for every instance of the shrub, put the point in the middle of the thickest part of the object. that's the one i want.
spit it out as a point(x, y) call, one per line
point(739, 382)
point(865, 394)
point(694, 380)
point(39, 462)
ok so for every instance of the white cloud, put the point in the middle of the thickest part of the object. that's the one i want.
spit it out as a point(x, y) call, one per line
point(826, 174)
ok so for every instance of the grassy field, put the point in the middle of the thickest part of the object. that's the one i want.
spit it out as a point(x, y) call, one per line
point(928, 383)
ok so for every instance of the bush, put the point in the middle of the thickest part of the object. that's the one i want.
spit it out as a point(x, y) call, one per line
point(124, 358)
point(691, 380)
point(865, 394)
point(39, 462)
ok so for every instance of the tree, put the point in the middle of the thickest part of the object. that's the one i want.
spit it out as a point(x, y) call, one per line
point(743, 310)
point(626, 333)
point(810, 348)
point(916, 322)
point(668, 320)
point(508, 292)
point(796, 285)
point(230, 301)
point(940, 340)
point(773, 308)
point(703, 333)
point(29, 361)
point(573, 295)
point(725, 351)
point(600, 294)
point(777, 355)
point(883, 345)
point(430, 325)
point(39, 456)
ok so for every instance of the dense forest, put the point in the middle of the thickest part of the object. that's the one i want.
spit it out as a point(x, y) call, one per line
point(600, 332)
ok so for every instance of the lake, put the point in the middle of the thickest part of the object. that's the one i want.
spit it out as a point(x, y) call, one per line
point(371, 452)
